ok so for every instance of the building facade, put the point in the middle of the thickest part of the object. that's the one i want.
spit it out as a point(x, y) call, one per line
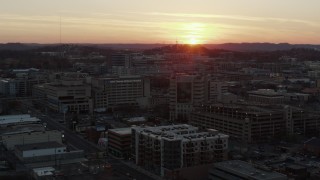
point(39, 149)
point(266, 96)
point(165, 149)
point(185, 92)
point(20, 87)
point(119, 142)
point(11, 140)
point(299, 121)
point(254, 124)
point(13, 120)
point(121, 59)
point(189, 91)
point(117, 91)
point(246, 123)
point(216, 90)
point(72, 95)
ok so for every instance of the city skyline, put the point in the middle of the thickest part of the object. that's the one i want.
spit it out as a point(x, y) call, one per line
point(152, 21)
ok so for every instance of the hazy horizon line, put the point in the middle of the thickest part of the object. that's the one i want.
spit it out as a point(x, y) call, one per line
point(138, 43)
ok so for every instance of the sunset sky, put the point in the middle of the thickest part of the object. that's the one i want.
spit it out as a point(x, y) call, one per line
point(160, 21)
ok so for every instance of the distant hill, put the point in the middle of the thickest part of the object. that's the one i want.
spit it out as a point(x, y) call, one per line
point(128, 46)
point(227, 46)
point(19, 46)
point(260, 46)
point(180, 48)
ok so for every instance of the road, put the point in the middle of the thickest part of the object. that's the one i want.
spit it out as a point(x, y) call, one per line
point(89, 148)
point(70, 136)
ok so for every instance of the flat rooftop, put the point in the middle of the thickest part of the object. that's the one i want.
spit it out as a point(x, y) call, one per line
point(246, 108)
point(246, 170)
point(266, 92)
point(136, 119)
point(19, 116)
point(44, 171)
point(170, 131)
point(113, 77)
point(121, 131)
point(202, 136)
point(177, 127)
point(17, 129)
point(178, 132)
point(44, 145)
point(18, 119)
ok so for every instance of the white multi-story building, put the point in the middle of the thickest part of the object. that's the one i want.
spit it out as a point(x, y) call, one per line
point(72, 95)
point(164, 149)
point(117, 91)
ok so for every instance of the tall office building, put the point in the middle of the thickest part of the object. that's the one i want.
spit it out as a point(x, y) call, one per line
point(8, 87)
point(299, 121)
point(121, 59)
point(188, 91)
point(185, 92)
point(216, 89)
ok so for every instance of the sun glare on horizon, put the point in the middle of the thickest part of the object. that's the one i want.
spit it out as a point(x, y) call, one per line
point(193, 41)
point(195, 33)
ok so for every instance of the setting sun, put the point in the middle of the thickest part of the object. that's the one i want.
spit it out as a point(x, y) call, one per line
point(193, 41)
point(194, 33)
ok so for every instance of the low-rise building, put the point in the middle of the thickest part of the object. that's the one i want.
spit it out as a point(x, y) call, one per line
point(119, 142)
point(43, 173)
point(21, 128)
point(51, 153)
point(312, 145)
point(266, 96)
point(135, 120)
point(296, 171)
point(39, 149)
point(10, 120)
point(236, 169)
point(20, 86)
point(11, 140)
